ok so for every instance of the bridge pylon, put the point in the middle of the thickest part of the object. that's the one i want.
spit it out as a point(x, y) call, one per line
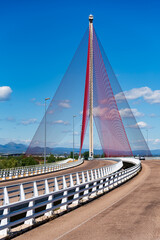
point(90, 87)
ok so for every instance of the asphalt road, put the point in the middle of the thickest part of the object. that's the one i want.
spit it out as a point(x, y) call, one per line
point(14, 190)
point(132, 211)
point(85, 166)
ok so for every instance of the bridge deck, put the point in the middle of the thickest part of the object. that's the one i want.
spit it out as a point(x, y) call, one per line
point(85, 166)
point(131, 211)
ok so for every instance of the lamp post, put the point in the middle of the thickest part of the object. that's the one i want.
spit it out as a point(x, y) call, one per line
point(45, 132)
point(73, 136)
point(80, 138)
point(147, 135)
point(147, 141)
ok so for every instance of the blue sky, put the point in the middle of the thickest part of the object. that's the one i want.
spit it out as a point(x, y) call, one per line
point(39, 38)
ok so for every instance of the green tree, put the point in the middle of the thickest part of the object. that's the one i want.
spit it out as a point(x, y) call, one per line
point(71, 155)
point(103, 155)
point(86, 155)
point(51, 159)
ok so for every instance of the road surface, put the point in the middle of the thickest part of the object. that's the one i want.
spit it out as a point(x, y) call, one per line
point(85, 166)
point(132, 211)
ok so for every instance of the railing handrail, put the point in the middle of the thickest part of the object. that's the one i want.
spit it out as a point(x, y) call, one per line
point(59, 176)
point(90, 185)
point(32, 166)
point(41, 169)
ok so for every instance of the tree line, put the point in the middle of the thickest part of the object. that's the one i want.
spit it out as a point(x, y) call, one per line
point(21, 161)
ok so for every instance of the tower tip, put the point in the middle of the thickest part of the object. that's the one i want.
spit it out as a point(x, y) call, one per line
point(90, 18)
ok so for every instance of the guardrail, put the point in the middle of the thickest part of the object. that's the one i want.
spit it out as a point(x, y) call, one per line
point(43, 199)
point(14, 190)
point(21, 172)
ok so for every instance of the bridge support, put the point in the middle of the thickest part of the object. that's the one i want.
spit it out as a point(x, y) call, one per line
point(91, 88)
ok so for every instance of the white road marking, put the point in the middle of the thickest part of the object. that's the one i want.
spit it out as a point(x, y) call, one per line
point(87, 220)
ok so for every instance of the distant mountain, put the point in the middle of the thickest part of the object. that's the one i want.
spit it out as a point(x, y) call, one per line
point(12, 147)
point(155, 152)
point(60, 150)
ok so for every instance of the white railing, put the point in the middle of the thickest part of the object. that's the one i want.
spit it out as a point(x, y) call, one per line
point(21, 172)
point(14, 190)
point(46, 196)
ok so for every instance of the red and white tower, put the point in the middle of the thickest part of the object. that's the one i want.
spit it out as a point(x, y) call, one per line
point(91, 87)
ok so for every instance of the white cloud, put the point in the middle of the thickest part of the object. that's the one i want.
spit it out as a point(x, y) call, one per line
point(10, 119)
point(76, 133)
point(99, 112)
point(149, 95)
point(140, 125)
point(105, 113)
point(65, 104)
point(33, 99)
point(50, 111)
point(153, 115)
point(15, 140)
point(156, 141)
point(39, 104)
point(127, 112)
point(29, 121)
point(61, 122)
point(5, 93)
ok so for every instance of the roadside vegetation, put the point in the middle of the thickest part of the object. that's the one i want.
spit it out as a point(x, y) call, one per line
point(12, 162)
point(21, 161)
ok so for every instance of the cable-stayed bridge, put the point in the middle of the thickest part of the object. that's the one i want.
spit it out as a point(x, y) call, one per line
point(90, 90)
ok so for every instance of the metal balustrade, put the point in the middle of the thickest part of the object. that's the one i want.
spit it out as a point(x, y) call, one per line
point(43, 198)
point(14, 191)
point(21, 172)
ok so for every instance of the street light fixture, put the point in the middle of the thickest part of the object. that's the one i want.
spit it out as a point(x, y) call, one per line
point(45, 132)
point(73, 136)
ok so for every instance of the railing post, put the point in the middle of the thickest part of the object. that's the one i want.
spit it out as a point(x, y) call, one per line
point(83, 178)
point(10, 174)
point(26, 172)
point(49, 205)
point(4, 176)
point(111, 182)
point(30, 213)
point(71, 181)
point(64, 199)
point(101, 170)
point(76, 195)
point(94, 186)
point(105, 171)
point(98, 173)
point(22, 193)
point(5, 221)
point(56, 188)
point(106, 184)
point(95, 173)
point(35, 171)
point(86, 186)
point(88, 178)
point(21, 172)
point(92, 177)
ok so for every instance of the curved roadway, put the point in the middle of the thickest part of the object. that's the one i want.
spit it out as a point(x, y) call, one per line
point(85, 166)
point(132, 211)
